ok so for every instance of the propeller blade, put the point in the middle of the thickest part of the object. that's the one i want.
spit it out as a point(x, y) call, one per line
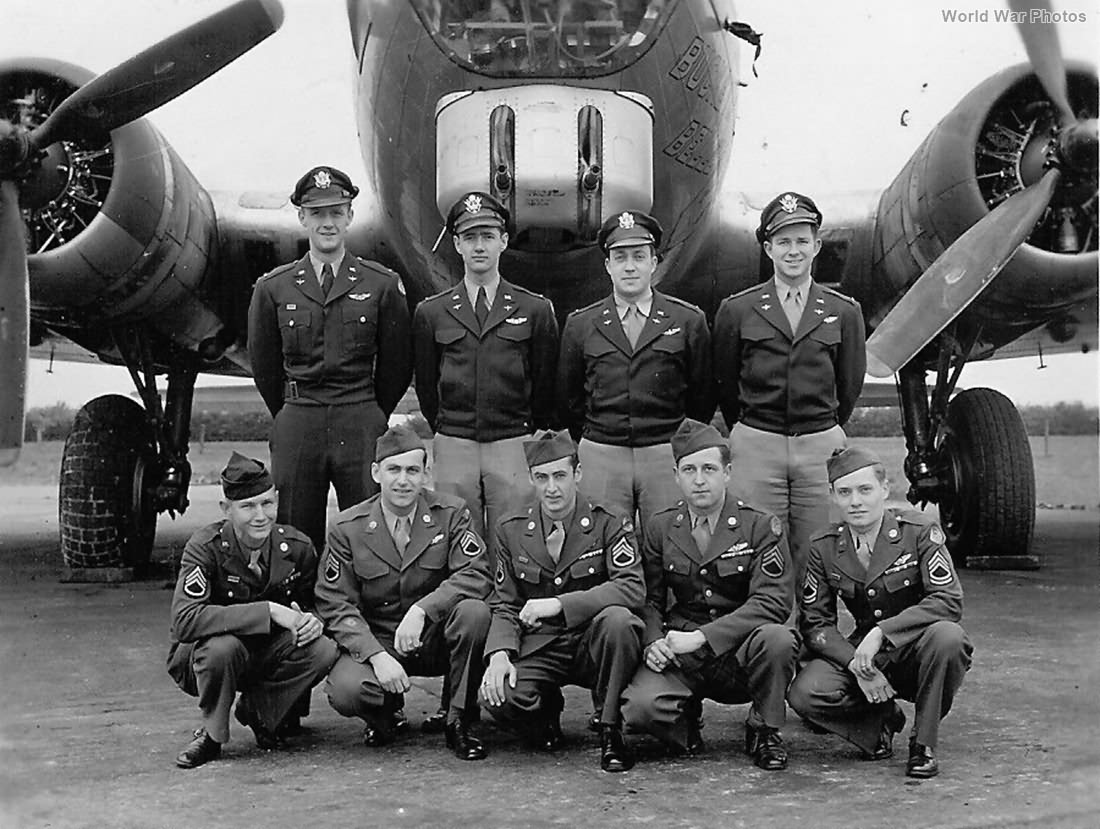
point(956, 278)
point(1044, 50)
point(14, 303)
point(162, 72)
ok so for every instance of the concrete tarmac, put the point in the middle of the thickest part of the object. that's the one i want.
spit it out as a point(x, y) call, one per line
point(90, 724)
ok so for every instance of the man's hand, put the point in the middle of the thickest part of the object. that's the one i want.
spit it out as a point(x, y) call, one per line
point(863, 661)
point(877, 688)
point(308, 628)
point(659, 656)
point(680, 641)
point(391, 676)
point(407, 638)
point(537, 609)
point(283, 616)
point(499, 671)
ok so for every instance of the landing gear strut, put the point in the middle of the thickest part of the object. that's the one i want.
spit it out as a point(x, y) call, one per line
point(123, 464)
point(971, 456)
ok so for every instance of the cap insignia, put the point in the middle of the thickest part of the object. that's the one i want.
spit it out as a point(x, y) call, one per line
point(322, 179)
point(472, 204)
point(789, 203)
point(626, 220)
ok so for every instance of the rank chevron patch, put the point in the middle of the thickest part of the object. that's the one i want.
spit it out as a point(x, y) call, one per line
point(332, 568)
point(809, 589)
point(470, 544)
point(195, 584)
point(939, 570)
point(771, 563)
point(622, 554)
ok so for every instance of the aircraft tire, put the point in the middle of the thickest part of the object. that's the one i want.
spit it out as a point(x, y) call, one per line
point(991, 511)
point(106, 509)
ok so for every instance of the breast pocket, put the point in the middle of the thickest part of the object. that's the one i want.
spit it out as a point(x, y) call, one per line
point(370, 568)
point(596, 347)
point(733, 567)
point(827, 335)
point(901, 583)
point(296, 329)
point(514, 333)
point(842, 585)
point(434, 558)
point(589, 568)
point(360, 325)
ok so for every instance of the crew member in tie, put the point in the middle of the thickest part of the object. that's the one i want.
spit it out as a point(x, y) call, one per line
point(329, 341)
point(893, 572)
point(789, 362)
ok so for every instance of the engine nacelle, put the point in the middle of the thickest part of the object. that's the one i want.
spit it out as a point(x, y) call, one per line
point(977, 156)
point(120, 231)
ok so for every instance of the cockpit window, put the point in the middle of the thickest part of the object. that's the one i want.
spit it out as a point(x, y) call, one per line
point(544, 38)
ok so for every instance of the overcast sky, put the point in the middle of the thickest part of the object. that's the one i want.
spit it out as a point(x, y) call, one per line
point(823, 117)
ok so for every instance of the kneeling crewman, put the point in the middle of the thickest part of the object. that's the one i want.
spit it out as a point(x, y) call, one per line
point(238, 622)
point(402, 591)
point(568, 581)
point(723, 636)
point(896, 578)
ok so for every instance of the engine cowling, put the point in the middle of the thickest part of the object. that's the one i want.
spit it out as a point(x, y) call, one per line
point(119, 230)
point(988, 147)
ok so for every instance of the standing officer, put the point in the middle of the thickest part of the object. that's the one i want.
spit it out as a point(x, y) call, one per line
point(723, 636)
point(568, 580)
point(485, 357)
point(329, 340)
point(789, 357)
point(632, 367)
point(895, 576)
point(402, 591)
point(237, 617)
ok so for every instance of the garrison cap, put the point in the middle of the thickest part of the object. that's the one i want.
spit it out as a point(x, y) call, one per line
point(787, 209)
point(848, 460)
point(323, 187)
point(244, 478)
point(395, 440)
point(631, 227)
point(692, 437)
point(477, 210)
point(548, 446)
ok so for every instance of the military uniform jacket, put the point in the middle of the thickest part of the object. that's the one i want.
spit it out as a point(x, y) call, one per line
point(910, 583)
point(351, 347)
point(365, 586)
point(612, 394)
point(598, 567)
point(769, 379)
point(216, 593)
point(744, 580)
point(492, 384)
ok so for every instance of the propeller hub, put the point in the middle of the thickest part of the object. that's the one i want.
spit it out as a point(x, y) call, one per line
point(48, 180)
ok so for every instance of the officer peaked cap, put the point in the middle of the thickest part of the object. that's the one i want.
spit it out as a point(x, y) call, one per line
point(548, 446)
point(477, 209)
point(692, 437)
point(787, 209)
point(395, 440)
point(323, 187)
point(631, 227)
point(244, 478)
point(846, 461)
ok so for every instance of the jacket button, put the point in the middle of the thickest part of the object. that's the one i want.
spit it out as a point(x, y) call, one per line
point(878, 614)
point(291, 323)
point(713, 613)
point(702, 571)
point(740, 568)
point(591, 570)
point(557, 581)
point(907, 582)
point(870, 591)
point(708, 592)
point(672, 567)
point(362, 319)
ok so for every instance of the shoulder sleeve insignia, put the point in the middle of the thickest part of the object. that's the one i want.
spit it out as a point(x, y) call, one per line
point(935, 535)
point(195, 585)
point(622, 554)
point(940, 572)
point(332, 568)
point(809, 588)
point(777, 527)
point(500, 572)
point(771, 563)
point(628, 525)
point(470, 544)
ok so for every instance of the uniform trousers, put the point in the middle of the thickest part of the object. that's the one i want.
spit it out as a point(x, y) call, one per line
point(786, 476)
point(602, 656)
point(927, 671)
point(313, 446)
point(759, 672)
point(629, 480)
point(488, 476)
point(454, 647)
point(268, 669)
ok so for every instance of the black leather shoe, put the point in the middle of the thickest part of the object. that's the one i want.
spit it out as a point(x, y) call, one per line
point(464, 744)
point(246, 715)
point(594, 722)
point(376, 736)
point(291, 726)
point(894, 723)
point(399, 723)
point(615, 755)
point(693, 712)
point(202, 749)
point(922, 761)
point(436, 723)
point(766, 747)
point(548, 736)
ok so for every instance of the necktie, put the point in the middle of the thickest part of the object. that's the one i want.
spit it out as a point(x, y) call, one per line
point(401, 532)
point(326, 279)
point(792, 307)
point(632, 324)
point(863, 552)
point(555, 541)
point(254, 563)
point(481, 306)
point(701, 533)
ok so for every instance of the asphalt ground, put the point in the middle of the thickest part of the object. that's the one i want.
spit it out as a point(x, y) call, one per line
point(90, 724)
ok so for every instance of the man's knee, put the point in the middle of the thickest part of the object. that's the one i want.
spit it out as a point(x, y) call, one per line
point(617, 624)
point(471, 618)
point(348, 689)
point(778, 643)
point(947, 640)
point(219, 653)
point(813, 687)
point(321, 654)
